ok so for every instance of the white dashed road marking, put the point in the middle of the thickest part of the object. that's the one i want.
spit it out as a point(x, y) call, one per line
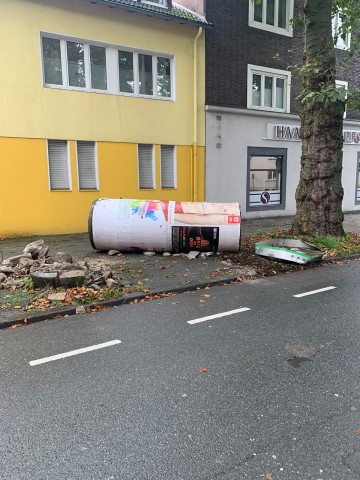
point(218, 315)
point(313, 292)
point(73, 352)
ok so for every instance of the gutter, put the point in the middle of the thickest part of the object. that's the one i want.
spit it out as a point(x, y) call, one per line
point(194, 156)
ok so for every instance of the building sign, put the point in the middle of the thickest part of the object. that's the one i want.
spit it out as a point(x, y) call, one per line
point(292, 133)
point(283, 132)
point(351, 136)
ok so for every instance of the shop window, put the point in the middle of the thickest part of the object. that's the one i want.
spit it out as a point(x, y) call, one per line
point(266, 178)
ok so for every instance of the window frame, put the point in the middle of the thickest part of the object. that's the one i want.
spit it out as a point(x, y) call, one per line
point(345, 84)
point(357, 201)
point(112, 67)
point(68, 165)
point(267, 152)
point(162, 4)
point(97, 187)
point(268, 72)
point(174, 159)
point(153, 166)
point(287, 31)
point(345, 44)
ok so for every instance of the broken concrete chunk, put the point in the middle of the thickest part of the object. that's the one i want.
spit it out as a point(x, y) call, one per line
point(34, 248)
point(3, 277)
point(113, 252)
point(80, 310)
point(13, 261)
point(149, 254)
point(166, 254)
point(26, 262)
point(44, 279)
point(60, 296)
point(7, 269)
point(71, 278)
point(62, 257)
point(111, 283)
point(193, 254)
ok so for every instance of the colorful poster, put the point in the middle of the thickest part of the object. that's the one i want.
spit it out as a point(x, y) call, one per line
point(201, 239)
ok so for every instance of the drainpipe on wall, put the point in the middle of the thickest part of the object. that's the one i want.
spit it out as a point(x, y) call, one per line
point(194, 153)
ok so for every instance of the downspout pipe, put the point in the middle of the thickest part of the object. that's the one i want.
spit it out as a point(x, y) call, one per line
point(194, 156)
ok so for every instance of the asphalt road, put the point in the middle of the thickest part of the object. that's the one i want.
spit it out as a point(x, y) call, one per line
point(279, 399)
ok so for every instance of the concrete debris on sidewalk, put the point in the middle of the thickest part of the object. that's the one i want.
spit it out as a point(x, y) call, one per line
point(46, 270)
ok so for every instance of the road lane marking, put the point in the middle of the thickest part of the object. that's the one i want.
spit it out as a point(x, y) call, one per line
point(313, 292)
point(73, 352)
point(218, 315)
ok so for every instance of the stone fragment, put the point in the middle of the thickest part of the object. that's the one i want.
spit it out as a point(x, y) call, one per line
point(3, 277)
point(149, 254)
point(34, 248)
point(95, 287)
point(71, 278)
point(80, 310)
point(166, 254)
point(62, 257)
point(113, 252)
point(111, 283)
point(13, 261)
point(60, 296)
point(43, 252)
point(44, 279)
point(26, 262)
point(7, 269)
point(208, 254)
point(192, 255)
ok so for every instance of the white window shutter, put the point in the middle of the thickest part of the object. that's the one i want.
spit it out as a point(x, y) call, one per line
point(58, 165)
point(167, 166)
point(87, 170)
point(145, 160)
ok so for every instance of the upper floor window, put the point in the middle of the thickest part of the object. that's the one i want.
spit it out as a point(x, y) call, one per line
point(272, 15)
point(342, 40)
point(78, 65)
point(268, 89)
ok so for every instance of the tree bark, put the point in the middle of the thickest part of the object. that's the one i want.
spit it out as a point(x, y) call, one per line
point(319, 193)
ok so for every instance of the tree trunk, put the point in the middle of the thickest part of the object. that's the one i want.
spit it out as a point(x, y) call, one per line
point(319, 193)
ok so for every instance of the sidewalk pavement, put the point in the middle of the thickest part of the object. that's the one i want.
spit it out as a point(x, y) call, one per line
point(141, 273)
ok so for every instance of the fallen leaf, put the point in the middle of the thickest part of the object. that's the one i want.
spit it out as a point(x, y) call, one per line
point(207, 296)
point(357, 431)
point(202, 370)
point(202, 300)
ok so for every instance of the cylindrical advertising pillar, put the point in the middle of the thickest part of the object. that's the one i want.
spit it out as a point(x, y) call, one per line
point(164, 226)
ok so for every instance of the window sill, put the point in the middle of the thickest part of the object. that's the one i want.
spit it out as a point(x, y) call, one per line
point(272, 29)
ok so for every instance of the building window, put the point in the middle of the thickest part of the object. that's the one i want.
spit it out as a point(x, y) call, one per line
point(357, 193)
point(106, 69)
point(342, 41)
point(268, 89)
point(146, 166)
point(342, 84)
point(272, 15)
point(168, 166)
point(159, 3)
point(87, 166)
point(58, 165)
point(266, 178)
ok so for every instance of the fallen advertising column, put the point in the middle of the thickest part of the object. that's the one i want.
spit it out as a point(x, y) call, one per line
point(164, 226)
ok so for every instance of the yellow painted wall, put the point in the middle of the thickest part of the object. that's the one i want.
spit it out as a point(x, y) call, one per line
point(28, 110)
point(27, 206)
point(31, 113)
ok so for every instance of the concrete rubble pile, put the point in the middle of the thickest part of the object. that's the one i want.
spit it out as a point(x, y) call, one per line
point(55, 271)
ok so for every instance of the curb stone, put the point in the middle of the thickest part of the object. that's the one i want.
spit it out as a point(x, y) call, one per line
point(24, 319)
